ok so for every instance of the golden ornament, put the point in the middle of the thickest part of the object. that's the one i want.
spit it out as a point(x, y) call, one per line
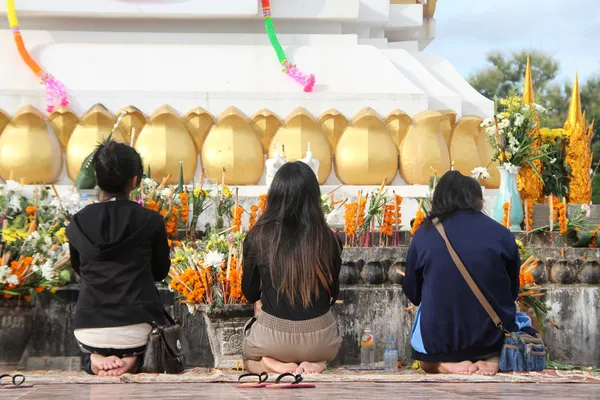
point(29, 151)
point(134, 120)
point(164, 143)
point(333, 123)
point(366, 153)
point(233, 145)
point(424, 148)
point(447, 125)
point(63, 122)
point(298, 129)
point(199, 121)
point(463, 147)
point(92, 129)
point(265, 124)
point(399, 122)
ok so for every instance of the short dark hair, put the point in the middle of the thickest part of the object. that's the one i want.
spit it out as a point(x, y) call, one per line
point(455, 192)
point(115, 164)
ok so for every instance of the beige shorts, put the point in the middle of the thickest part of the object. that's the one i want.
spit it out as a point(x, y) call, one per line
point(312, 340)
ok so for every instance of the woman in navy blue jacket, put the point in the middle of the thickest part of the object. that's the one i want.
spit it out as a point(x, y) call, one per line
point(452, 331)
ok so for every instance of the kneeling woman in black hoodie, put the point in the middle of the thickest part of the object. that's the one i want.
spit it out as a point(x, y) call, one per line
point(119, 249)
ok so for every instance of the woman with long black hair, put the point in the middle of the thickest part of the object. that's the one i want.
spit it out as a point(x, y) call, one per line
point(452, 332)
point(292, 262)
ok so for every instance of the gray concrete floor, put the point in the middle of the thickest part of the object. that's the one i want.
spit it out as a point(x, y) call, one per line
point(329, 391)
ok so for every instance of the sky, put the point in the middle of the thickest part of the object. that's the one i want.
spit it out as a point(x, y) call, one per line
point(569, 30)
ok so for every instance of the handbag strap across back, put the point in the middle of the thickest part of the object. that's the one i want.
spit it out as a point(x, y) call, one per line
point(468, 278)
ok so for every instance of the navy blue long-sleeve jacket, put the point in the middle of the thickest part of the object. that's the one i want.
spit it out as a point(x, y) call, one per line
point(454, 326)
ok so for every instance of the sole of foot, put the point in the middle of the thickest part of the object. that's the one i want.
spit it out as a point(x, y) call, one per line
point(488, 367)
point(128, 364)
point(100, 364)
point(278, 366)
point(460, 368)
point(311, 368)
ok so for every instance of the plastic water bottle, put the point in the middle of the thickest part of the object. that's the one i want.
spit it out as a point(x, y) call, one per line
point(367, 348)
point(390, 355)
point(83, 200)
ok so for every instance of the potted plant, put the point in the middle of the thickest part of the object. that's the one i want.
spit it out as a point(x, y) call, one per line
point(34, 258)
point(207, 278)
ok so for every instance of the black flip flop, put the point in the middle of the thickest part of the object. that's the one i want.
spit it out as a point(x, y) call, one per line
point(262, 381)
point(18, 381)
point(297, 384)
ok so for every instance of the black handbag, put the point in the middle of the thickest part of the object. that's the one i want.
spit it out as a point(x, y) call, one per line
point(166, 348)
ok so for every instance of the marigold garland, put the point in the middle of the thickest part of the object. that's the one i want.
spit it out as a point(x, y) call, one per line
point(253, 216)
point(387, 224)
point(31, 210)
point(185, 206)
point(262, 203)
point(350, 220)
point(419, 218)
point(561, 212)
point(529, 217)
point(236, 213)
point(505, 219)
point(579, 159)
point(398, 209)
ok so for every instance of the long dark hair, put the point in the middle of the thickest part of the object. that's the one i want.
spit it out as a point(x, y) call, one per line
point(454, 192)
point(115, 165)
point(292, 237)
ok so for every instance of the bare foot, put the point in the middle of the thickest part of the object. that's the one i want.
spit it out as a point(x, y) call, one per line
point(311, 368)
point(488, 367)
point(279, 367)
point(101, 364)
point(460, 368)
point(128, 364)
point(257, 308)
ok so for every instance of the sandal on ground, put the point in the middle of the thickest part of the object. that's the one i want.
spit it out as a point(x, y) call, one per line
point(293, 385)
point(17, 382)
point(262, 381)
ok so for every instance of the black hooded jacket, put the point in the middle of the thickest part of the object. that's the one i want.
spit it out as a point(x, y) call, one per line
point(119, 249)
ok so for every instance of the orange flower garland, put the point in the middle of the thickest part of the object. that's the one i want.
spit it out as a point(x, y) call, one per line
point(171, 222)
point(529, 221)
point(185, 206)
point(506, 220)
point(562, 217)
point(361, 212)
point(235, 281)
point(262, 203)
point(399, 209)
point(253, 216)
point(237, 213)
point(152, 205)
point(419, 218)
point(350, 220)
point(387, 225)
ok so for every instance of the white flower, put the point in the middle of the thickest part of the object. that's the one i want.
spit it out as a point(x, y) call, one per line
point(519, 120)
point(12, 280)
point(213, 259)
point(149, 182)
point(480, 173)
point(505, 123)
point(47, 271)
point(48, 240)
point(15, 204)
point(511, 169)
point(553, 161)
point(540, 109)
point(487, 123)
point(587, 210)
point(4, 273)
point(12, 186)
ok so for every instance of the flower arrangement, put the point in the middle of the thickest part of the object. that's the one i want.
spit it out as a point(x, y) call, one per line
point(556, 172)
point(34, 254)
point(509, 134)
point(480, 174)
point(211, 276)
point(530, 294)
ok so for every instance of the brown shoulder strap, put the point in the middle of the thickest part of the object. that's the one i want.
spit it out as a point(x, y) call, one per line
point(463, 271)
